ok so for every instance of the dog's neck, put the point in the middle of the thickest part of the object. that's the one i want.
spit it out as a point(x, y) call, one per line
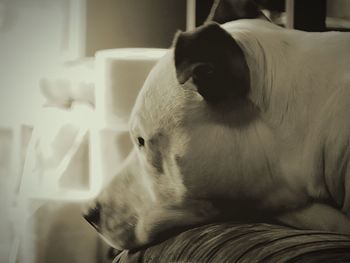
point(282, 89)
point(275, 73)
point(287, 73)
point(291, 89)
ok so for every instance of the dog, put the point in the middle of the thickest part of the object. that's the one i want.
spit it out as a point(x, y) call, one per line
point(245, 120)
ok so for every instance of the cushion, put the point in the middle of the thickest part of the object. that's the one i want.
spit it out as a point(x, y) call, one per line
point(233, 242)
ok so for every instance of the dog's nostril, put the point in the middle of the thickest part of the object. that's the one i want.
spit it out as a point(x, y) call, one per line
point(93, 215)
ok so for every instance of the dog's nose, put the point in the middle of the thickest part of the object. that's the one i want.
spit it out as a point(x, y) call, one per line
point(93, 215)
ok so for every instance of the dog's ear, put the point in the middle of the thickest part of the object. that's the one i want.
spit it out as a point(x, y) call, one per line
point(224, 11)
point(214, 61)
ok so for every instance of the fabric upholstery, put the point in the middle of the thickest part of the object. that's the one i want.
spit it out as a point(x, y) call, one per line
point(231, 242)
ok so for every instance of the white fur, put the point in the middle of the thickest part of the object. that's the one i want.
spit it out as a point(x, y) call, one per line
point(300, 86)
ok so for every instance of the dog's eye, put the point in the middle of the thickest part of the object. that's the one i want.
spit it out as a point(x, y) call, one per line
point(140, 141)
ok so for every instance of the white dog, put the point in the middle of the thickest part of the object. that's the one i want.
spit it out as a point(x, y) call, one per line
point(246, 119)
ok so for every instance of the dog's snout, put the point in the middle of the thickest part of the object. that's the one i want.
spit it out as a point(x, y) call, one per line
point(93, 215)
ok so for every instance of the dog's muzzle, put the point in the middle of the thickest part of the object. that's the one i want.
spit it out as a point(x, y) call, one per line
point(93, 216)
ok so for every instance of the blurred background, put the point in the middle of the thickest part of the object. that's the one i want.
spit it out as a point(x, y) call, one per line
point(47, 83)
point(69, 74)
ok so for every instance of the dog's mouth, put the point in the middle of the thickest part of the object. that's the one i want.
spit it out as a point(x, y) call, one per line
point(126, 233)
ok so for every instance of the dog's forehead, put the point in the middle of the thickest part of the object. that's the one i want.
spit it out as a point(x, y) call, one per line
point(161, 99)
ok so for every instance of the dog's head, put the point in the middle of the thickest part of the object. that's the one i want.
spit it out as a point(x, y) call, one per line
point(191, 128)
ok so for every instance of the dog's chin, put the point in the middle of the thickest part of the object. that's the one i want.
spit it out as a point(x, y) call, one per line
point(111, 243)
point(128, 240)
point(120, 239)
point(120, 243)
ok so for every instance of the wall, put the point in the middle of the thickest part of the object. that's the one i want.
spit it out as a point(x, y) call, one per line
point(338, 8)
point(37, 36)
point(30, 42)
point(133, 23)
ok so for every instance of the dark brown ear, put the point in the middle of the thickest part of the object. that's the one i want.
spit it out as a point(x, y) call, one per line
point(214, 61)
point(229, 10)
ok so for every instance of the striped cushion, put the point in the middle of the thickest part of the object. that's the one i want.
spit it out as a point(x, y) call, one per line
point(232, 242)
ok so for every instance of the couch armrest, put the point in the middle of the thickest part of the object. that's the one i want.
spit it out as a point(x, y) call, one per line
point(232, 242)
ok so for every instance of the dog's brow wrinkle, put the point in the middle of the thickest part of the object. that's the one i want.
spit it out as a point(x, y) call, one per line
point(177, 158)
point(156, 138)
